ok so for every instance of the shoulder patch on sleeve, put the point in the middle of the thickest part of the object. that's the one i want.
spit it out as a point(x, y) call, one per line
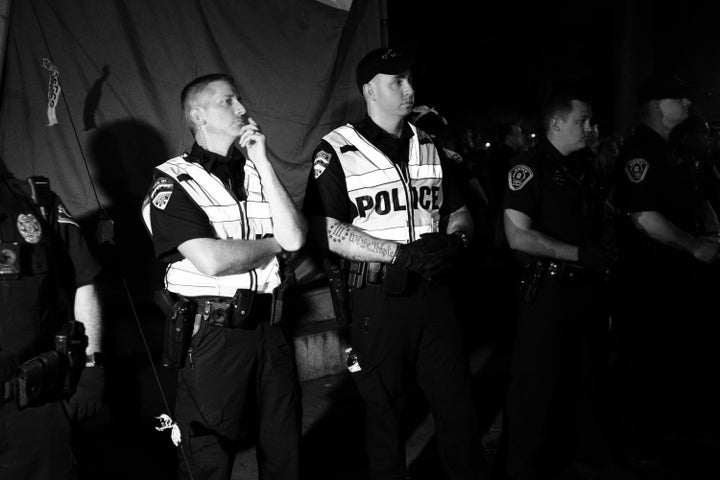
point(320, 163)
point(63, 216)
point(519, 176)
point(636, 169)
point(161, 191)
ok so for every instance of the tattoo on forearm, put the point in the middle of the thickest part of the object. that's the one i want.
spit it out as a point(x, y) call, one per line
point(338, 233)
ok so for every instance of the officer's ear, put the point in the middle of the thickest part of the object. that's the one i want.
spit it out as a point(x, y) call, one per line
point(369, 91)
point(555, 123)
point(197, 116)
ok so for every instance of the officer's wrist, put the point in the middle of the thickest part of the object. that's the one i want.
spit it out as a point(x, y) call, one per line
point(95, 359)
point(395, 255)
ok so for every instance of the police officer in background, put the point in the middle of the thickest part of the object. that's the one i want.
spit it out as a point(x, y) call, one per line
point(380, 198)
point(46, 281)
point(220, 217)
point(669, 239)
point(554, 221)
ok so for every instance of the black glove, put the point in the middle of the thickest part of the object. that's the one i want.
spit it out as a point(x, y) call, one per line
point(596, 255)
point(87, 399)
point(418, 257)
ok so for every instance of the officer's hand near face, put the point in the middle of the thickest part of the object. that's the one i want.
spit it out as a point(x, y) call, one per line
point(253, 141)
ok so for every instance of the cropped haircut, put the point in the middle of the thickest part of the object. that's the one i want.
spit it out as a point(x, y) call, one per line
point(559, 104)
point(196, 86)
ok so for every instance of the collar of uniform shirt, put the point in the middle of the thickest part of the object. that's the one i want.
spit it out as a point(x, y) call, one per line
point(229, 167)
point(388, 144)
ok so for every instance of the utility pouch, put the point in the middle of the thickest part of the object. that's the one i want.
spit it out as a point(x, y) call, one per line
point(395, 280)
point(41, 378)
point(178, 333)
point(356, 274)
point(9, 261)
point(239, 309)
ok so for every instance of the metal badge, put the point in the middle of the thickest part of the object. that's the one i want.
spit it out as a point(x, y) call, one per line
point(29, 227)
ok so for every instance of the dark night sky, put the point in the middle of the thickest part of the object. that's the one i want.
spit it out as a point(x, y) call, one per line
point(486, 61)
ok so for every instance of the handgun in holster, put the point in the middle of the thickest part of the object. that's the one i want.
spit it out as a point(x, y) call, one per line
point(531, 279)
point(338, 290)
point(178, 332)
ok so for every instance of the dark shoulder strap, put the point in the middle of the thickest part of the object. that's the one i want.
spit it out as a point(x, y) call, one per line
point(41, 194)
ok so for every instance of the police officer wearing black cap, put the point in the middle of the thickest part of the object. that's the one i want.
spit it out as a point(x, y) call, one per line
point(669, 239)
point(46, 283)
point(220, 218)
point(380, 198)
point(555, 222)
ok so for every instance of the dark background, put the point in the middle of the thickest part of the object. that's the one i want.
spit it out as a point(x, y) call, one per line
point(485, 62)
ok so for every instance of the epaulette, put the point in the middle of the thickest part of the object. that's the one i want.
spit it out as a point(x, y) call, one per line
point(348, 148)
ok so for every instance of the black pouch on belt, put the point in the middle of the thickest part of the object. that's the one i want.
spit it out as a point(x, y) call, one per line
point(239, 309)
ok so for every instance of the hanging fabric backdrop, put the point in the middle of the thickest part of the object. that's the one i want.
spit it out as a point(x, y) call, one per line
point(122, 65)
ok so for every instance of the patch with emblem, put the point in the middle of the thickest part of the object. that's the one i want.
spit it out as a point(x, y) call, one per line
point(636, 169)
point(519, 176)
point(29, 227)
point(322, 160)
point(63, 216)
point(161, 191)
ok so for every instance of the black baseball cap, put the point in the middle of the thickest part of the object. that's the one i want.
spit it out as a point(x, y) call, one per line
point(659, 87)
point(382, 60)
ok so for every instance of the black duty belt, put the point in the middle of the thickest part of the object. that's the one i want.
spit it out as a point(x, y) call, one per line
point(231, 313)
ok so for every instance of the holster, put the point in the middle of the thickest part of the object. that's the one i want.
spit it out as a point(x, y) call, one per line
point(338, 290)
point(531, 279)
point(41, 378)
point(178, 332)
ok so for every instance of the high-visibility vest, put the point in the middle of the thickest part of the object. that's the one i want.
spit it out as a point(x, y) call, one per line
point(390, 207)
point(247, 219)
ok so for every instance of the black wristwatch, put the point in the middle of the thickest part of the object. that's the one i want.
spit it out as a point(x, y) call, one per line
point(94, 360)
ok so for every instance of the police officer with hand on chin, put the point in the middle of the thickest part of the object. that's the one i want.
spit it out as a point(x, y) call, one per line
point(220, 217)
point(46, 288)
point(380, 198)
point(554, 221)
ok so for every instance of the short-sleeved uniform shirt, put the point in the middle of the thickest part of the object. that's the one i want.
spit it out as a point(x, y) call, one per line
point(53, 260)
point(651, 176)
point(327, 195)
point(558, 193)
point(181, 219)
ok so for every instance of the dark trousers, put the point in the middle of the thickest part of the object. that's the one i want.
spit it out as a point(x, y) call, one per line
point(668, 351)
point(225, 367)
point(35, 442)
point(557, 395)
point(418, 333)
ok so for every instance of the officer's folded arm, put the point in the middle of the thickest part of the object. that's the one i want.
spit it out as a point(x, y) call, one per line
point(522, 237)
point(656, 226)
point(212, 256)
point(347, 241)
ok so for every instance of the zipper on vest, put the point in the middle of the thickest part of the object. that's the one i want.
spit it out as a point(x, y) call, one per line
point(408, 199)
